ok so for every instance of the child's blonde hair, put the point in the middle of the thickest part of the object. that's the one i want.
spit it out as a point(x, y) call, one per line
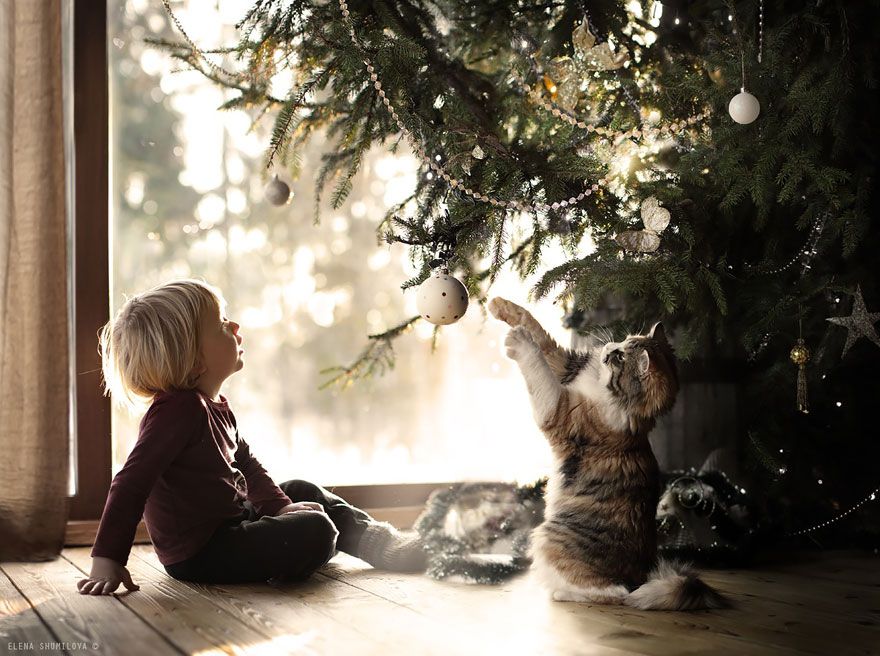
point(152, 345)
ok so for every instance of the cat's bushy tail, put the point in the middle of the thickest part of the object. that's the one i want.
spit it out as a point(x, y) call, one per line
point(675, 586)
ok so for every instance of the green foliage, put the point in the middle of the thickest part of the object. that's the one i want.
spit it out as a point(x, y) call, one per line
point(730, 272)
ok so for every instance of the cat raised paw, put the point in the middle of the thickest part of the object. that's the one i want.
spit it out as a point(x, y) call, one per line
point(519, 343)
point(508, 312)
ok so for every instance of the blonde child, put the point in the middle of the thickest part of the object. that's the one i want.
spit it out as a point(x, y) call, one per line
point(213, 513)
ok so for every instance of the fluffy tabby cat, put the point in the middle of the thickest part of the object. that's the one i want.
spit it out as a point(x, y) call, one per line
point(598, 541)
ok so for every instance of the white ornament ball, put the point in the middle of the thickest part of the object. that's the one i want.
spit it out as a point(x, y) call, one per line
point(442, 299)
point(277, 192)
point(744, 107)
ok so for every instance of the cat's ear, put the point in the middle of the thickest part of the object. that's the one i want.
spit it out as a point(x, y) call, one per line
point(644, 362)
point(658, 332)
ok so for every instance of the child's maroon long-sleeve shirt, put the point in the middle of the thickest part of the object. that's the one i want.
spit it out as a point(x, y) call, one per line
point(188, 473)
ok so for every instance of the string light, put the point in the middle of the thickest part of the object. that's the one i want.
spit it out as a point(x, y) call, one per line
point(760, 30)
point(457, 183)
point(804, 255)
point(871, 497)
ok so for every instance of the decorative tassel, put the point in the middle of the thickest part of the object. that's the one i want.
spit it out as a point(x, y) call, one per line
point(800, 355)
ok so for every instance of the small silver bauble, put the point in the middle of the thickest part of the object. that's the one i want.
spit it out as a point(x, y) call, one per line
point(442, 299)
point(744, 107)
point(277, 192)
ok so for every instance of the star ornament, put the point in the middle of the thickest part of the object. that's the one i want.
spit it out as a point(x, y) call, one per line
point(859, 324)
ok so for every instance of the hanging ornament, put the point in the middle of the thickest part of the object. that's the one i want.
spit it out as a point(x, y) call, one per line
point(564, 77)
point(277, 192)
point(800, 355)
point(564, 80)
point(559, 224)
point(859, 324)
point(477, 152)
point(596, 57)
point(655, 218)
point(744, 107)
point(442, 299)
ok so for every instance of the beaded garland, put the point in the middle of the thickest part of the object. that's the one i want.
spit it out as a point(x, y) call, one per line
point(640, 131)
point(432, 162)
point(457, 183)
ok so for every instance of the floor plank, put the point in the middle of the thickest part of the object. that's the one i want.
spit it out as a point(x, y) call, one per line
point(178, 612)
point(844, 567)
point(339, 618)
point(532, 619)
point(801, 605)
point(101, 623)
point(21, 629)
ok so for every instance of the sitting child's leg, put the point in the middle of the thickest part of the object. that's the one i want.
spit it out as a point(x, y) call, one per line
point(378, 543)
point(384, 547)
point(286, 548)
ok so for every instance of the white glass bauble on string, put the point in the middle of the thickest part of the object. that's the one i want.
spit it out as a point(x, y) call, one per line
point(744, 107)
point(442, 299)
point(277, 192)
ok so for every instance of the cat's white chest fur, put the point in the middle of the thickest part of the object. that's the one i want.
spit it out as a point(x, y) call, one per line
point(592, 384)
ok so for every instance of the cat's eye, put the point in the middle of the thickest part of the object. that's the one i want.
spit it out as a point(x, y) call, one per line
point(617, 354)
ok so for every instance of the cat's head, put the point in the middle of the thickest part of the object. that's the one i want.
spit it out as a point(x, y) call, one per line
point(642, 373)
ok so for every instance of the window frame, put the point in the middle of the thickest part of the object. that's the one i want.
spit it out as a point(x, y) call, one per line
point(397, 503)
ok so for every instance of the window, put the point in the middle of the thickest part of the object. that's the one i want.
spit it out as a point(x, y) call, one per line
point(186, 200)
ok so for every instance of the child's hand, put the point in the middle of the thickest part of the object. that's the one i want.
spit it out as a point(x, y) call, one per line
point(300, 506)
point(105, 577)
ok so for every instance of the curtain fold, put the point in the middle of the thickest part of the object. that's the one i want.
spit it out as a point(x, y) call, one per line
point(34, 351)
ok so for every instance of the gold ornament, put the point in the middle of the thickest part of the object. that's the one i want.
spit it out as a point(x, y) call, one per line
point(800, 355)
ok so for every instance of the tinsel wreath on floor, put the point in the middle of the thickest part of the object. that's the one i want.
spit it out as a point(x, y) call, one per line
point(479, 532)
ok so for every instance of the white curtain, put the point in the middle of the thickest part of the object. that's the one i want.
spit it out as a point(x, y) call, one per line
point(34, 352)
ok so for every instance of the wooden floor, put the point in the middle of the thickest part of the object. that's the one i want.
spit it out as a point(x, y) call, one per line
point(828, 605)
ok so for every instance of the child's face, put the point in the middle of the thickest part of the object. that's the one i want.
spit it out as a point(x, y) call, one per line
point(221, 347)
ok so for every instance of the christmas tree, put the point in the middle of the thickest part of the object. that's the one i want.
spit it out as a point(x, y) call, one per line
point(541, 122)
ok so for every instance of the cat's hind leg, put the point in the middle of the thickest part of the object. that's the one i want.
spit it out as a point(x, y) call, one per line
point(612, 594)
point(562, 589)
